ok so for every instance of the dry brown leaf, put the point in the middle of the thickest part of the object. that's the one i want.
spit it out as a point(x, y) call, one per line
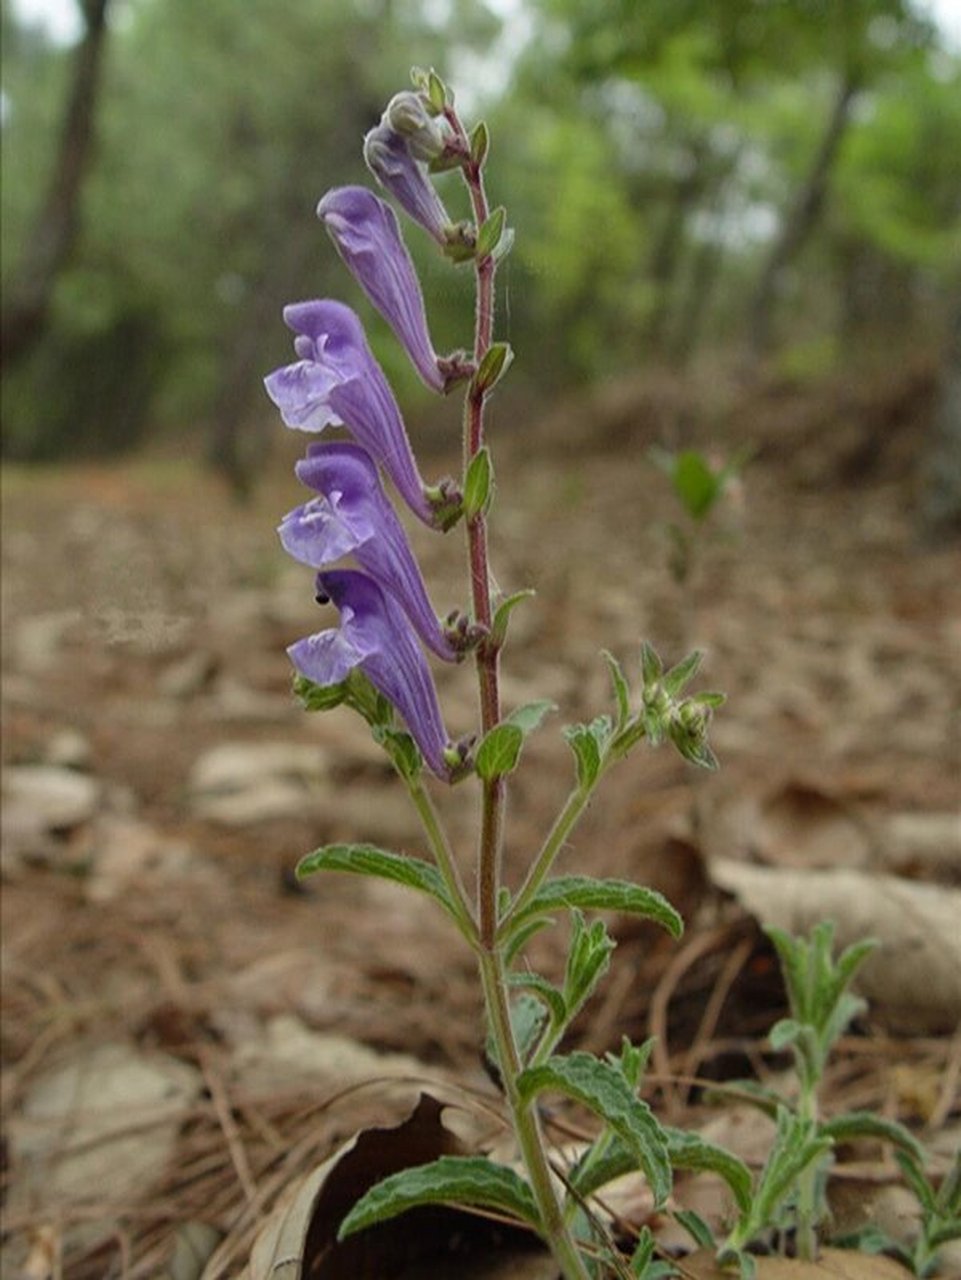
point(913, 981)
point(433, 1243)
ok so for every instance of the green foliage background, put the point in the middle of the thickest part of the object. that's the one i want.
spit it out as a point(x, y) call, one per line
point(648, 151)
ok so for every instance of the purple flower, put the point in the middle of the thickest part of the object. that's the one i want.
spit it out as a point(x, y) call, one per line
point(336, 380)
point(390, 159)
point(365, 232)
point(352, 516)
point(375, 635)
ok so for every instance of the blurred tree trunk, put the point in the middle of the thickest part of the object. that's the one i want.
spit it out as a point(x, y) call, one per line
point(940, 506)
point(47, 251)
point(238, 441)
point(801, 219)
point(668, 248)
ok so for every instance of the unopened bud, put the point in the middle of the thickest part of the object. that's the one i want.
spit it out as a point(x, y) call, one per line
point(407, 115)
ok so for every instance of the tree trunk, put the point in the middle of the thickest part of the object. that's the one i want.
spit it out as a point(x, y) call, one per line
point(800, 220)
point(666, 256)
point(48, 249)
point(940, 506)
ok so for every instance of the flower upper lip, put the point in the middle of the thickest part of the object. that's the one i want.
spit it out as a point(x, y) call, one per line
point(365, 233)
point(376, 636)
point(337, 381)
point(352, 516)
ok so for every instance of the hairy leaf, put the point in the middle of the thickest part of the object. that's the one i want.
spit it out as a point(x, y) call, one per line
point(453, 1180)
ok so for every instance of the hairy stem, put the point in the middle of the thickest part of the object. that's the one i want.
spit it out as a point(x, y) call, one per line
point(490, 959)
point(526, 1124)
point(807, 1201)
point(564, 823)
point(444, 857)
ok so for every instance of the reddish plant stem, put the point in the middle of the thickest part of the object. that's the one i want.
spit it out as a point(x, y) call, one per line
point(492, 824)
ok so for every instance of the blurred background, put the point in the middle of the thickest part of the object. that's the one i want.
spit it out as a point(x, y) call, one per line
point(694, 186)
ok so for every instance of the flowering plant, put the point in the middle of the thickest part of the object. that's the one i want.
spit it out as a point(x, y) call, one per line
point(374, 662)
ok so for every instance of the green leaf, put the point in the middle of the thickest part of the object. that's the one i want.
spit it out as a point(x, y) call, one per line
point(695, 483)
point(784, 1033)
point(865, 1124)
point(749, 1091)
point(368, 860)
point(529, 716)
point(545, 991)
point(603, 895)
point(602, 1089)
point(588, 742)
point(588, 960)
point(319, 697)
point(622, 691)
point(499, 752)
point(479, 143)
point(454, 1180)
point(488, 236)
point(914, 1176)
point(632, 1060)
point(497, 359)
point(696, 1228)
point(403, 751)
point(587, 754)
point(479, 484)
point(519, 938)
point(651, 666)
point(503, 612)
point(437, 92)
point(690, 1151)
point(675, 679)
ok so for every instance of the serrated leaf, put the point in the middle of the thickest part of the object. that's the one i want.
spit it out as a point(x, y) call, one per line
point(691, 1151)
point(866, 1124)
point(603, 895)
point(678, 676)
point(478, 484)
point(503, 612)
point(455, 1180)
point(602, 1089)
point(529, 716)
point(622, 691)
point(488, 235)
point(368, 860)
point(499, 752)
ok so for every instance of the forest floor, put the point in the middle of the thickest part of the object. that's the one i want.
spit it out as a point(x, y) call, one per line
point(162, 967)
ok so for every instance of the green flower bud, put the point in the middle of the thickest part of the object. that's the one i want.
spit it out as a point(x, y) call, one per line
point(407, 115)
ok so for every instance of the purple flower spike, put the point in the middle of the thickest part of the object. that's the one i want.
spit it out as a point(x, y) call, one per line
point(365, 232)
point(352, 516)
point(375, 635)
point(389, 158)
point(337, 381)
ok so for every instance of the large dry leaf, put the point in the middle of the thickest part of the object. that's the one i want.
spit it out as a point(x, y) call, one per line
point(913, 981)
point(432, 1243)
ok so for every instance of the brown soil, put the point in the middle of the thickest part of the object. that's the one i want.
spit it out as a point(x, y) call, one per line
point(833, 632)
